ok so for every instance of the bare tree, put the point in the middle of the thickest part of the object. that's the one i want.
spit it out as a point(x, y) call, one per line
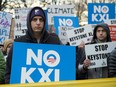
point(2, 4)
point(80, 7)
point(11, 4)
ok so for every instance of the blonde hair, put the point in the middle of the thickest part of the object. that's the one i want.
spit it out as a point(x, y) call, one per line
point(6, 43)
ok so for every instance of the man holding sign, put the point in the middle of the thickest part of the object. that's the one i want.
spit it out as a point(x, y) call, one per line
point(36, 33)
point(101, 34)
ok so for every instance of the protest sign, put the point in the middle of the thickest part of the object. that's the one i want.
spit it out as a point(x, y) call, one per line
point(42, 63)
point(77, 35)
point(98, 53)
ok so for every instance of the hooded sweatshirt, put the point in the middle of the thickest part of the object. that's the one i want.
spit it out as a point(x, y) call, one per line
point(95, 72)
point(46, 38)
point(104, 26)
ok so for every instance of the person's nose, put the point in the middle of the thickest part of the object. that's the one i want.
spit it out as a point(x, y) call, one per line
point(38, 21)
point(101, 32)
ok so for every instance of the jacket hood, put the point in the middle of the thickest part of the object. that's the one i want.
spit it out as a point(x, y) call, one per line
point(104, 26)
point(30, 15)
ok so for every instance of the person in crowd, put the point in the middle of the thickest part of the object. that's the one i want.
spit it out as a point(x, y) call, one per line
point(6, 47)
point(36, 33)
point(112, 64)
point(79, 54)
point(52, 29)
point(101, 34)
point(2, 67)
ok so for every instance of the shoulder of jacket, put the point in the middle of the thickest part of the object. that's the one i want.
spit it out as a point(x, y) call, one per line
point(20, 39)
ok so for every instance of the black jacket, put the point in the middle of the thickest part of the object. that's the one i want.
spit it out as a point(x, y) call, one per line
point(46, 38)
point(112, 64)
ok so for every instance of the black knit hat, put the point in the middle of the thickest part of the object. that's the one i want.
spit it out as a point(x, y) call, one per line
point(37, 12)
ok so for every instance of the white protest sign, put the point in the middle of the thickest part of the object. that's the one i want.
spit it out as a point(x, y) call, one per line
point(5, 23)
point(20, 21)
point(62, 33)
point(98, 53)
point(110, 21)
point(59, 10)
point(77, 35)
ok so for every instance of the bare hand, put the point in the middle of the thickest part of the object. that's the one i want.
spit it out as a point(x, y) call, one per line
point(82, 44)
point(86, 63)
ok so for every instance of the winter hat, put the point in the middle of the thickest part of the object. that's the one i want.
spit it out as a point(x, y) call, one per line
point(37, 11)
point(6, 43)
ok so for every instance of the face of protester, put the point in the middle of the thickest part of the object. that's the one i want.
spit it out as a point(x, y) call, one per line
point(37, 24)
point(101, 34)
point(8, 48)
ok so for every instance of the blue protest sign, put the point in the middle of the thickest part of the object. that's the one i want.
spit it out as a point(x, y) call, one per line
point(46, 13)
point(42, 63)
point(99, 12)
point(69, 21)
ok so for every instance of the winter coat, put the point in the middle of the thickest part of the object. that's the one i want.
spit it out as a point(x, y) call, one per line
point(46, 38)
point(112, 64)
point(2, 67)
point(95, 72)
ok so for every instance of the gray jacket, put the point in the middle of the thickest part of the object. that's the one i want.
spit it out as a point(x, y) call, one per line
point(95, 72)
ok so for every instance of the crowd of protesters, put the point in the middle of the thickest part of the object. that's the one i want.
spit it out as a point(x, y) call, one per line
point(36, 33)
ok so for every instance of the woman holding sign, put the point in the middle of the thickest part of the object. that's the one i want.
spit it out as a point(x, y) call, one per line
point(101, 34)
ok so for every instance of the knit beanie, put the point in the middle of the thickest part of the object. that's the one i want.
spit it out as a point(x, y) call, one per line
point(6, 43)
point(37, 12)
